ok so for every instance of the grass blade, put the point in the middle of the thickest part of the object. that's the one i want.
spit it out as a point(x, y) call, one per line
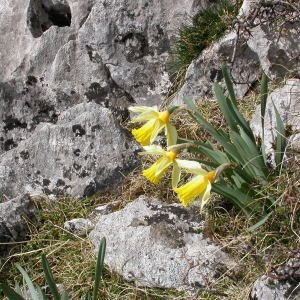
point(99, 267)
point(259, 223)
point(239, 199)
point(10, 293)
point(49, 278)
point(29, 283)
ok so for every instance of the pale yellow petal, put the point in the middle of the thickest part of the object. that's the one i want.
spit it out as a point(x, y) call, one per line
point(204, 197)
point(175, 175)
point(141, 109)
point(164, 164)
point(157, 128)
point(146, 116)
point(171, 133)
point(191, 166)
point(153, 150)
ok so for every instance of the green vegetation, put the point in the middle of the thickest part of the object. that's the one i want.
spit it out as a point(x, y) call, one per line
point(207, 26)
point(35, 292)
point(250, 169)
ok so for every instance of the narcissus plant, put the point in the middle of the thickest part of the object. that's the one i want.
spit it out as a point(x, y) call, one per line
point(156, 121)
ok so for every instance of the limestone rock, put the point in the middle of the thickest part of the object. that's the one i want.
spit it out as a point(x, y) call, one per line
point(281, 284)
point(205, 71)
point(264, 37)
point(159, 245)
point(52, 39)
point(14, 217)
point(104, 210)
point(86, 150)
point(133, 39)
point(287, 102)
point(274, 34)
point(79, 226)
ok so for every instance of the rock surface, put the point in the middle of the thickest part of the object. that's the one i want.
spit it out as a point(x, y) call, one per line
point(159, 245)
point(205, 71)
point(79, 226)
point(64, 53)
point(86, 150)
point(281, 284)
point(287, 102)
point(14, 217)
point(132, 39)
point(264, 38)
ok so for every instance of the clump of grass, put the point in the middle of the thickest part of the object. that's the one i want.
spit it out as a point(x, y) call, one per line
point(207, 26)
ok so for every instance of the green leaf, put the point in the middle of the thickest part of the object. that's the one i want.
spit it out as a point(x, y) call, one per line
point(263, 104)
point(18, 288)
point(65, 296)
point(263, 97)
point(29, 283)
point(249, 157)
point(227, 112)
point(238, 198)
point(40, 293)
point(200, 120)
point(255, 156)
point(49, 278)
point(10, 293)
point(280, 139)
point(229, 84)
point(99, 267)
point(259, 223)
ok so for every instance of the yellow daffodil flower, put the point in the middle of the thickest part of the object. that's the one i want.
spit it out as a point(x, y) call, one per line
point(199, 187)
point(167, 159)
point(156, 121)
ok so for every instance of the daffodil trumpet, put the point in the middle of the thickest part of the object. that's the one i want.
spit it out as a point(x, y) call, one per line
point(156, 121)
point(166, 160)
point(199, 187)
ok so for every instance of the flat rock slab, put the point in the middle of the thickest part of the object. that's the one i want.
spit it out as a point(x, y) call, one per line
point(160, 245)
point(85, 151)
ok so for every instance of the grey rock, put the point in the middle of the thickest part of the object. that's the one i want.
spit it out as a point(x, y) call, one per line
point(14, 217)
point(281, 284)
point(133, 39)
point(205, 71)
point(256, 43)
point(274, 34)
point(159, 245)
point(79, 226)
point(85, 151)
point(104, 210)
point(287, 102)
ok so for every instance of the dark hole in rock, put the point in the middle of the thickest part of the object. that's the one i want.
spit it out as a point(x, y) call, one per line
point(31, 80)
point(9, 144)
point(78, 130)
point(42, 14)
point(11, 123)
